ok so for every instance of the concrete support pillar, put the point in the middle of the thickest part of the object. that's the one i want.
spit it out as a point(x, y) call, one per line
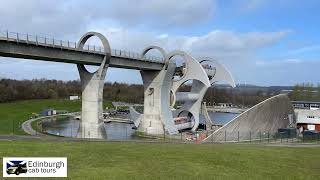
point(92, 92)
point(157, 118)
point(92, 98)
point(151, 122)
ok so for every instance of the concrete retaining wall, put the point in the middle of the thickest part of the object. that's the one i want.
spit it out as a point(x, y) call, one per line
point(261, 120)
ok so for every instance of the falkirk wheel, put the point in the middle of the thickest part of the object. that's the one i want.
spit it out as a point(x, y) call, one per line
point(166, 108)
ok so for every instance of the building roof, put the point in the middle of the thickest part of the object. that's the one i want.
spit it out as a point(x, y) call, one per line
point(308, 116)
point(305, 102)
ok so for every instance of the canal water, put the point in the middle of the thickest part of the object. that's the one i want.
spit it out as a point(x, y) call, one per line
point(67, 126)
point(220, 117)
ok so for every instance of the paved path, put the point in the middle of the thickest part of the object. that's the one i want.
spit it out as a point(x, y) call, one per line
point(18, 137)
point(27, 127)
point(302, 145)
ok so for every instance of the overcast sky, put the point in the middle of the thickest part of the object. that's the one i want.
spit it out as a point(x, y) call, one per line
point(262, 42)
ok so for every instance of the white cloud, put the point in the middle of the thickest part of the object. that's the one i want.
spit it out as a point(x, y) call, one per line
point(281, 62)
point(133, 26)
point(161, 13)
point(216, 42)
point(253, 6)
point(227, 43)
point(286, 72)
point(119, 19)
point(236, 50)
point(71, 17)
point(250, 5)
point(162, 36)
point(304, 50)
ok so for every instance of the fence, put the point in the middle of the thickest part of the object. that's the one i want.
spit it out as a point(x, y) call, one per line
point(264, 137)
point(69, 45)
point(125, 131)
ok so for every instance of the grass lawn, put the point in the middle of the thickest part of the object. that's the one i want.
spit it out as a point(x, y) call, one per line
point(13, 114)
point(113, 160)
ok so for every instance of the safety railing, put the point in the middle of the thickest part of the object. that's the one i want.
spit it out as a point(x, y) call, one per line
point(70, 45)
point(122, 129)
point(284, 136)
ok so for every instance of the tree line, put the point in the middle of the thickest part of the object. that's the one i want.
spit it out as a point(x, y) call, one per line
point(14, 90)
point(305, 92)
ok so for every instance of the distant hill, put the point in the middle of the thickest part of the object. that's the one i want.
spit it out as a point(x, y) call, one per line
point(253, 89)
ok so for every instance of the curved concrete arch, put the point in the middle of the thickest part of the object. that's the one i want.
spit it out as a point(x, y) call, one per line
point(185, 96)
point(221, 74)
point(175, 91)
point(194, 70)
point(200, 85)
point(92, 91)
point(166, 113)
point(105, 44)
point(135, 116)
point(147, 49)
point(175, 53)
point(192, 106)
point(172, 54)
point(174, 95)
point(185, 125)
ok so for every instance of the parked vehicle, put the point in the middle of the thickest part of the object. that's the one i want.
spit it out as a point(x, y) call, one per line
point(311, 134)
point(17, 169)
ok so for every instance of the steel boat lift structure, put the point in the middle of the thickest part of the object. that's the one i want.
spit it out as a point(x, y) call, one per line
point(161, 93)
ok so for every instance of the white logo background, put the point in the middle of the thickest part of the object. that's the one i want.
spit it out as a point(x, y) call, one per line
point(38, 167)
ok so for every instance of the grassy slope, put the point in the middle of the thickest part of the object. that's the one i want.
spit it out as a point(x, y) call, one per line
point(14, 113)
point(107, 160)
